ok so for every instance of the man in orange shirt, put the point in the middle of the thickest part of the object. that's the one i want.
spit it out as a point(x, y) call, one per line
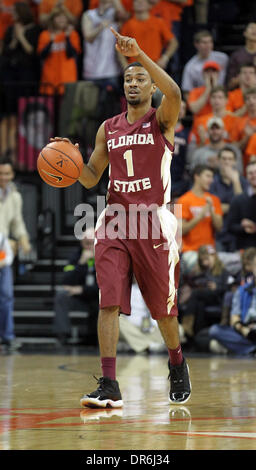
point(198, 98)
point(245, 127)
point(151, 33)
point(247, 80)
point(219, 103)
point(201, 215)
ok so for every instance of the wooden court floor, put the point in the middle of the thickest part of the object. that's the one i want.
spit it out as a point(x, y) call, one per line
point(40, 410)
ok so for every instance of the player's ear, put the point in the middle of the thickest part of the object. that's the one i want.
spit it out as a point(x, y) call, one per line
point(153, 88)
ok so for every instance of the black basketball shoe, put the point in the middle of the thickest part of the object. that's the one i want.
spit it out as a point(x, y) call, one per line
point(180, 384)
point(107, 395)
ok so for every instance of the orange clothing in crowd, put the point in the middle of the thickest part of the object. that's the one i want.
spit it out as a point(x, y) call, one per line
point(235, 100)
point(152, 35)
point(194, 95)
point(238, 133)
point(75, 7)
point(229, 121)
point(250, 149)
point(169, 11)
point(6, 15)
point(203, 233)
point(57, 67)
point(127, 4)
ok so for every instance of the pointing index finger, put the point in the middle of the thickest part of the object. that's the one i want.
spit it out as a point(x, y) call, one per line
point(116, 34)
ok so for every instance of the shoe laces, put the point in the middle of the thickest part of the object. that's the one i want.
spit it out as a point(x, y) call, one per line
point(176, 375)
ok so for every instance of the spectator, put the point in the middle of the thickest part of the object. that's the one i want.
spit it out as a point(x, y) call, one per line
point(152, 33)
point(242, 214)
point(208, 154)
point(219, 104)
point(11, 218)
point(208, 285)
point(7, 335)
point(243, 55)
point(71, 9)
point(100, 42)
point(198, 98)
point(19, 71)
point(80, 290)
point(247, 80)
point(192, 76)
point(240, 336)
point(58, 49)
point(245, 127)
point(201, 216)
point(226, 184)
point(180, 179)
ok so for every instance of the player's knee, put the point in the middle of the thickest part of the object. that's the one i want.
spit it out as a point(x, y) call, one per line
point(114, 310)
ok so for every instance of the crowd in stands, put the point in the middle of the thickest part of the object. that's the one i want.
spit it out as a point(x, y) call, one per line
point(59, 42)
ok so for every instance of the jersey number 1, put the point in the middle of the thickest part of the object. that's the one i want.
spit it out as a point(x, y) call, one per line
point(128, 157)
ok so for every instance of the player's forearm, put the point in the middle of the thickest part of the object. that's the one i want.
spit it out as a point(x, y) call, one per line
point(89, 177)
point(162, 80)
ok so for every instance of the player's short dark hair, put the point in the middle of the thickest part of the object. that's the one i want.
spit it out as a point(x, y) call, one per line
point(133, 64)
point(198, 170)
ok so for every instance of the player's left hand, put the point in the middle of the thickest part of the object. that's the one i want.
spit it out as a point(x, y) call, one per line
point(125, 45)
point(65, 139)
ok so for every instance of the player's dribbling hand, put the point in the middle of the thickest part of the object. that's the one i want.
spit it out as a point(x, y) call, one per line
point(125, 45)
point(65, 139)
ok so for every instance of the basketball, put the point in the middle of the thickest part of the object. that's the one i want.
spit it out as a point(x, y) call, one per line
point(60, 164)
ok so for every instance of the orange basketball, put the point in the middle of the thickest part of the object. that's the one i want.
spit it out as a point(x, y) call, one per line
point(60, 164)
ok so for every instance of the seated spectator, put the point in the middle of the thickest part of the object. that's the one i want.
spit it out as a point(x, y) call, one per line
point(245, 127)
point(72, 10)
point(179, 177)
point(219, 104)
point(207, 282)
point(247, 80)
point(152, 34)
point(241, 220)
point(79, 291)
point(201, 216)
point(243, 55)
point(7, 334)
point(240, 336)
point(12, 224)
point(58, 49)
point(227, 183)
point(198, 98)
point(100, 42)
point(208, 154)
point(192, 76)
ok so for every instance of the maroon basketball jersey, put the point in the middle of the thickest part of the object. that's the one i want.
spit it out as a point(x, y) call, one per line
point(139, 161)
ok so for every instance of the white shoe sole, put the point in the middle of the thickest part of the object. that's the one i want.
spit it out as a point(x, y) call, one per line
point(95, 403)
point(184, 401)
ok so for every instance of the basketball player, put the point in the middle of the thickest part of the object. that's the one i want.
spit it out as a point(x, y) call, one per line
point(138, 147)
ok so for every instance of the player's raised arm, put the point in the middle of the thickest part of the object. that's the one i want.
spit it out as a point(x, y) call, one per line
point(168, 111)
point(98, 162)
